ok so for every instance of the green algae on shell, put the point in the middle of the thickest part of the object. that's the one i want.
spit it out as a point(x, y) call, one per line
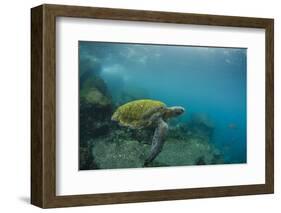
point(132, 114)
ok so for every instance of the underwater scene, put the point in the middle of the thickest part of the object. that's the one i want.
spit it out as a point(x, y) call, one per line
point(152, 105)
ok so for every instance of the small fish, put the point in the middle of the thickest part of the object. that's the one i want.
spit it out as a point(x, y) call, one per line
point(232, 126)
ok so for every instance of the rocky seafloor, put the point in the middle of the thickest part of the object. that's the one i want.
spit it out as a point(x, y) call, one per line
point(103, 144)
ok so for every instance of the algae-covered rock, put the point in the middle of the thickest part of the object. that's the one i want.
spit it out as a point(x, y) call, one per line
point(180, 131)
point(95, 97)
point(122, 154)
point(119, 150)
point(194, 151)
point(118, 133)
point(86, 160)
point(95, 104)
point(93, 81)
point(94, 121)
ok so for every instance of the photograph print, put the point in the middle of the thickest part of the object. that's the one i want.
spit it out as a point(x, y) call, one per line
point(155, 105)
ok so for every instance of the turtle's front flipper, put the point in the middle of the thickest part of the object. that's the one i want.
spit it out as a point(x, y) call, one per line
point(157, 140)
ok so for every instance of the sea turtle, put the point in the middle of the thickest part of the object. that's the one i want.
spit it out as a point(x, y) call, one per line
point(147, 113)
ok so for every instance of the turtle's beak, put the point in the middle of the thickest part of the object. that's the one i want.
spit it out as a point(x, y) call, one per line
point(180, 110)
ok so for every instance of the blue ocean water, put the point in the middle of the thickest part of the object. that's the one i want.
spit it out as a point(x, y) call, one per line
point(209, 81)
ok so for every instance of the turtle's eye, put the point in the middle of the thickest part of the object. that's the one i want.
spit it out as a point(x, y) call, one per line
point(180, 111)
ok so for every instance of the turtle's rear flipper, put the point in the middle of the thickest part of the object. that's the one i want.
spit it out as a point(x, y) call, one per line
point(157, 141)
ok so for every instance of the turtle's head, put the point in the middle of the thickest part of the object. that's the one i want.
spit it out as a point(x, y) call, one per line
point(174, 111)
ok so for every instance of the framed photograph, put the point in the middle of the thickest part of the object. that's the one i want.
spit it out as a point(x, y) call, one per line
point(137, 106)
